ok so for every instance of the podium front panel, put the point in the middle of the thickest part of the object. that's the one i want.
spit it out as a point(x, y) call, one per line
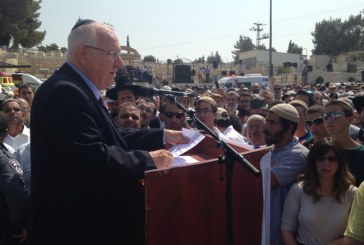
point(187, 205)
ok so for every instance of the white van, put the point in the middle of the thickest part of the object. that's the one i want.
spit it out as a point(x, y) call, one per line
point(247, 80)
point(23, 78)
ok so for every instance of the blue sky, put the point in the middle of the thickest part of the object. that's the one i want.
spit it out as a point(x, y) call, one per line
point(192, 28)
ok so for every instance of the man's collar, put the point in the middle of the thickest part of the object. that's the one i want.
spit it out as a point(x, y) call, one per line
point(87, 80)
point(288, 145)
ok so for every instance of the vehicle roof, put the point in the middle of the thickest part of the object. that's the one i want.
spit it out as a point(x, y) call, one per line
point(28, 78)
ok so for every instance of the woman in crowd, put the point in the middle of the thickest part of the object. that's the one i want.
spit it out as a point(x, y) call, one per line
point(316, 209)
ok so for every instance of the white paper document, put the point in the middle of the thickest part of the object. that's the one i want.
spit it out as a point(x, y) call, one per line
point(195, 138)
point(177, 150)
point(183, 161)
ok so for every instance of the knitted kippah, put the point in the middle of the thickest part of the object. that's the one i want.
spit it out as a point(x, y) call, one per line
point(299, 102)
point(222, 114)
point(286, 111)
point(81, 22)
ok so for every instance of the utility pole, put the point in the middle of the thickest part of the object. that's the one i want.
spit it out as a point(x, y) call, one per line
point(258, 29)
point(270, 40)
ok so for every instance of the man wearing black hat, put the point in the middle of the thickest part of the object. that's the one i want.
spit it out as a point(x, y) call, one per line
point(85, 186)
point(124, 90)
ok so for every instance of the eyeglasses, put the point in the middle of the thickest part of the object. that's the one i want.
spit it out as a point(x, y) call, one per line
point(316, 122)
point(334, 115)
point(170, 114)
point(133, 116)
point(277, 89)
point(199, 111)
point(328, 158)
point(113, 54)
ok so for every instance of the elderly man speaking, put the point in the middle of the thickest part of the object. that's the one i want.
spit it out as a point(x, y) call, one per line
point(85, 172)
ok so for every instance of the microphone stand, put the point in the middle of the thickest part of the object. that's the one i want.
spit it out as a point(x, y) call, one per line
point(231, 156)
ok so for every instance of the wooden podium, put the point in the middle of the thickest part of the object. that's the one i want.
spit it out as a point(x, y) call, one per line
point(187, 205)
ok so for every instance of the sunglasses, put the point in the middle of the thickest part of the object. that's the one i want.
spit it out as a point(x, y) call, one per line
point(170, 114)
point(334, 115)
point(316, 122)
point(328, 158)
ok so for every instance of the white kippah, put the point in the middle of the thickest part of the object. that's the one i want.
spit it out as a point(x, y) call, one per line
point(286, 111)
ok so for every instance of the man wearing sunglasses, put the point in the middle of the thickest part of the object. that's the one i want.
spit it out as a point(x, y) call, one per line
point(173, 117)
point(338, 116)
point(315, 124)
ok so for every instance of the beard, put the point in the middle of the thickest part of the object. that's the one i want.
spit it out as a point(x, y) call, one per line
point(274, 138)
point(243, 112)
point(231, 107)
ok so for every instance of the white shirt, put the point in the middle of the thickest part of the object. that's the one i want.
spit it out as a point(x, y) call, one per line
point(18, 140)
point(234, 135)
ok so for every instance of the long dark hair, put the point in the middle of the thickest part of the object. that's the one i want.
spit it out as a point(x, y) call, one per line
point(343, 177)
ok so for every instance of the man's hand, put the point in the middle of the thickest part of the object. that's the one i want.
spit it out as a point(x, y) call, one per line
point(174, 137)
point(162, 158)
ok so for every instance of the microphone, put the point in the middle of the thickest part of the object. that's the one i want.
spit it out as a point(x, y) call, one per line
point(149, 92)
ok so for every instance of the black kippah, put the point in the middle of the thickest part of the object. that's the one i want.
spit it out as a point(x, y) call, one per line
point(81, 22)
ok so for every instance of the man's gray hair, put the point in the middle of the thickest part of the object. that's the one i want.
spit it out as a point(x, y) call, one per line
point(85, 35)
point(256, 117)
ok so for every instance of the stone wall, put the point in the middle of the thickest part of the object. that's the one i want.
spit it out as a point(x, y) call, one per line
point(44, 64)
point(333, 77)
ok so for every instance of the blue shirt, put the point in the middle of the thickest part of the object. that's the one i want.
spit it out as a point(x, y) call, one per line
point(88, 81)
point(287, 163)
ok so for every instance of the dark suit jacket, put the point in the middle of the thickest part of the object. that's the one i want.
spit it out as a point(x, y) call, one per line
point(85, 187)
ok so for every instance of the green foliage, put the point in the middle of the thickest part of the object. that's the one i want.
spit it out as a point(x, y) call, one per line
point(319, 80)
point(51, 47)
point(200, 60)
point(333, 37)
point(262, 47)
point(212, 58)
point(243, 44)
point(149, 58)
point(351, 79)
point(283, 70)
point(19, 20)
point(294, 48)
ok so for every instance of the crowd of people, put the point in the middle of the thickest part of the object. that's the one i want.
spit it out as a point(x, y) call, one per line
point(78, 182)
point(315, 141)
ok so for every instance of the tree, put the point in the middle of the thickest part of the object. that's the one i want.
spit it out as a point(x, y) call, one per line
point(19, 22)
point(51, 47)
point(262, 47)
point(200, 60)
point(243, 44)
point(293, 48)
point(212, 58)
point(149, 58)
point(333, 37)
point(352, 34)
